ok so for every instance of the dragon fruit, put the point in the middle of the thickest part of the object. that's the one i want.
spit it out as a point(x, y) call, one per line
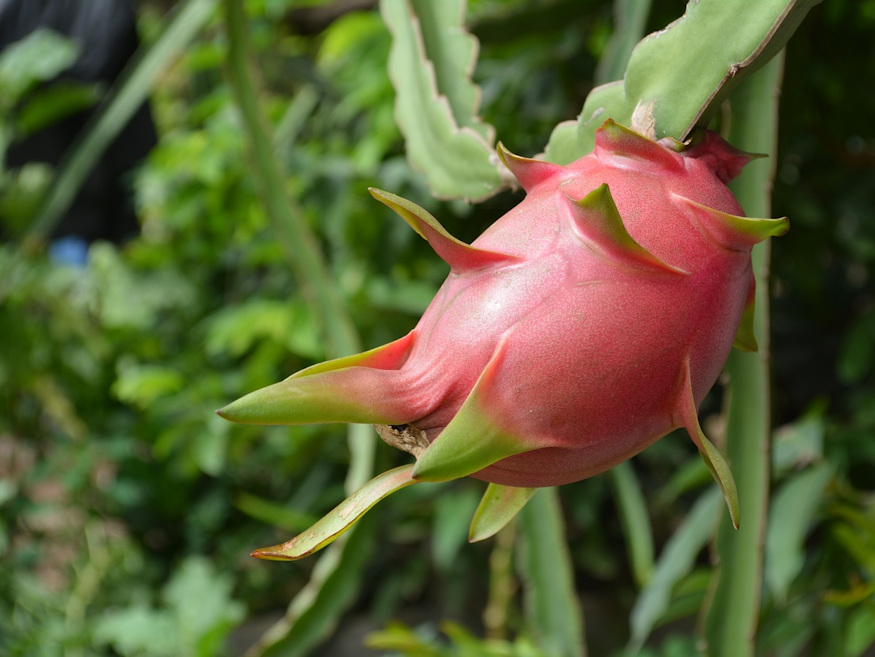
point(582, 326)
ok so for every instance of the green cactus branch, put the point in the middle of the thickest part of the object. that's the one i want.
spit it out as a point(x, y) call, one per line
point(734, 611)
point(436, 103)
point(678, 77)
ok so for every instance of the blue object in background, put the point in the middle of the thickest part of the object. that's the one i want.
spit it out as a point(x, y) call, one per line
point(70, 250)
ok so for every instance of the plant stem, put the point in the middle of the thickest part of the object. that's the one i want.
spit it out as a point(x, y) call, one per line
point(731, 623)
point(552, 605)
point(502, 583)
point(299, 246)
point(315, 611)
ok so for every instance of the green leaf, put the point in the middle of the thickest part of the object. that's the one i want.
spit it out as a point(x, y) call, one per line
point(140, 385)
point(132, 299)
point(209, 448)
point(203, 607)
point(452, 511)
point(198, 614)
point(399, 638)
point(552, 607)
point(858, 352)
point(8, 490)
point(860, 631)
point(236, 329)
point(791, 516)
point(634, 520)
point(797, 445)
point(274, 514)
point(678, 77)
point(857, 536)
point(45, 106)
point(436, 104)
point(38, 57)
point(138, 630)
point(676, 561)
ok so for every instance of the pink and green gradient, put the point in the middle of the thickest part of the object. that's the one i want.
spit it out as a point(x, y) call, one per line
point(582, 326)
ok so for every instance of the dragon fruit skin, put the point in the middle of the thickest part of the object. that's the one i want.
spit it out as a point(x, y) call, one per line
point(582, 326)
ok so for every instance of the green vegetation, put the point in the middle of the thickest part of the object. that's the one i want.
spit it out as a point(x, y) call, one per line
point(128, 508)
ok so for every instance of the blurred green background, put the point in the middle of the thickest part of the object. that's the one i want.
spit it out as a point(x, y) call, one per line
point(128, 509)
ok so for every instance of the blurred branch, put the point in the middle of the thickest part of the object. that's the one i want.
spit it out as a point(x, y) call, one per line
point(502, 583)
point(297, 242)
point(552, 606)
point(517, 20)
point(333, 586)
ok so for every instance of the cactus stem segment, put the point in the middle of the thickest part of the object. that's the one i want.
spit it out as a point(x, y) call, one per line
point(341, 518)
point(597, 221)
point(499, 506)
point(688, 417)
point(459, 256)
point(745, 338)
point(530, 173)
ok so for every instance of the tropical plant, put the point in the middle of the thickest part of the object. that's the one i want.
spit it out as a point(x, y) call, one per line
point(123, 497)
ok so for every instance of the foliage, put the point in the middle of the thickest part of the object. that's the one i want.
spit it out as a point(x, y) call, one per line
point(123, 498)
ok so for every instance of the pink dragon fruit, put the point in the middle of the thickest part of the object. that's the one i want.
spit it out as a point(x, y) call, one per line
point(582, 326)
